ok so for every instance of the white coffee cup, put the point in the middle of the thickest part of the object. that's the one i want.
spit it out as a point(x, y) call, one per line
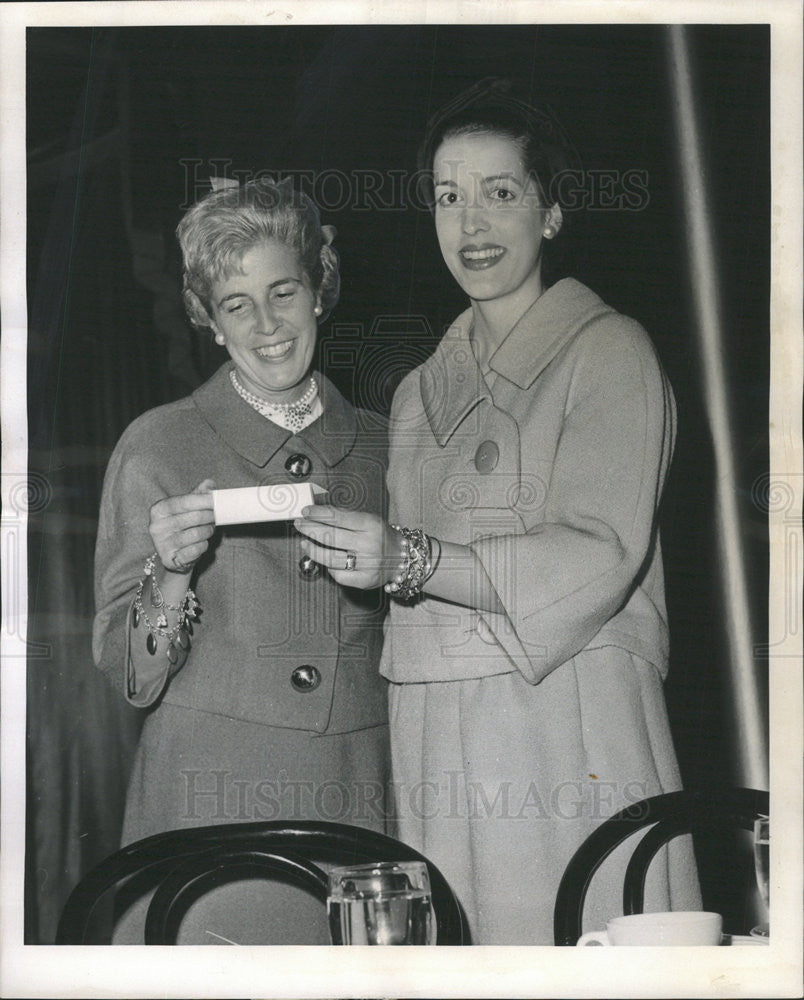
point(681, 927)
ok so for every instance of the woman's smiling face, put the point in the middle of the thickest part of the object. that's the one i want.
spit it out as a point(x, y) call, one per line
point(264, 314)
point(489, 217)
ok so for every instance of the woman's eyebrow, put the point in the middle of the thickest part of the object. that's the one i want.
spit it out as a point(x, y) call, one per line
point(506, 176)
point(284, 281)
point(274, 284)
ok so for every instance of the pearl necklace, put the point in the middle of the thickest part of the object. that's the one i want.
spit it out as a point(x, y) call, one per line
point(292, 416)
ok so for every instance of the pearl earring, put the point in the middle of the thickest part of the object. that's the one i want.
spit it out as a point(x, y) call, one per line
point(220, 339)
point(549, 232)
point(318, 310)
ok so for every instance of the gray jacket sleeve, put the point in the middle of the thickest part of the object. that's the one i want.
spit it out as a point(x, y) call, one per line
point(566, 577)
point(131, 486)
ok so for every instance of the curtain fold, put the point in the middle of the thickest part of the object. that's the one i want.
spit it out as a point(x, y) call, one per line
point(750, 738)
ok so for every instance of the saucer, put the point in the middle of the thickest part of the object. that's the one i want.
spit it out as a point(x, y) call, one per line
point(742, 939)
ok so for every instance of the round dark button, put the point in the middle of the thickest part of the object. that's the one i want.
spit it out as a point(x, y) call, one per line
point(486, 457)
point(299, 466)
point(309, 568)
point(305, 678)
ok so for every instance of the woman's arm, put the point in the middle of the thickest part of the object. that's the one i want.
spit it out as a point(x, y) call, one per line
point(594, 545)
point(458, 575)
point(180, 528)
point(133, 500)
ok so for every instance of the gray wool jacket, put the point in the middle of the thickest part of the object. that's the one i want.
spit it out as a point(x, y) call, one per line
point(551, 468)
point(262, 618)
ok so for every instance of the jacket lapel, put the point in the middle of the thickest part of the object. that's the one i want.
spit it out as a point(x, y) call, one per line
point(451, 382)
point(333, 434)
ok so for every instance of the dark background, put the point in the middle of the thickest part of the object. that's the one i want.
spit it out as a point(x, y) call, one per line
point(125, 127)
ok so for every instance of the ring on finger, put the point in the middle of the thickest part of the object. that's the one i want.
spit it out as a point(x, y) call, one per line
point(351, 559)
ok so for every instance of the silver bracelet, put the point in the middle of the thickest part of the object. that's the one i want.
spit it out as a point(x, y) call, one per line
point(187, 612)
point(417, 564)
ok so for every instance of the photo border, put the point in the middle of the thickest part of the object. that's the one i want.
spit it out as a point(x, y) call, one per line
point(41, 970)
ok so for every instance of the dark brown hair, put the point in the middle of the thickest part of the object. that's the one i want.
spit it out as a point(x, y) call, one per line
point(489, 107)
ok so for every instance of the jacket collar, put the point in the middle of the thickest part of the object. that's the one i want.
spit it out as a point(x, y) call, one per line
point(257, 439)
point(452, 383)
point(551, 322)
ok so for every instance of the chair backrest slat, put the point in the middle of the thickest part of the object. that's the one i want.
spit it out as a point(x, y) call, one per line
point(176, 850)
point(674, 813)
point(219, 866)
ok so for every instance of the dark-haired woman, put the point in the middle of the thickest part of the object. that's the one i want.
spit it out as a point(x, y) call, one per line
point(528, 642)
point(267, 702)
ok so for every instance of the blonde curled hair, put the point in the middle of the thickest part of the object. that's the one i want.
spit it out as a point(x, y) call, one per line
point(217, 231)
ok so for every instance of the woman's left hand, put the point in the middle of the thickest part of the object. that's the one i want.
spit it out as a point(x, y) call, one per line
point(335, 538)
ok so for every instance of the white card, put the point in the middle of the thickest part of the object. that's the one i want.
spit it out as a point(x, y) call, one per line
point(280, 502)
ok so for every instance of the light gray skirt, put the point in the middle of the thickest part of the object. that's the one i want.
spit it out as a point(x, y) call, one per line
point(499, 781)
